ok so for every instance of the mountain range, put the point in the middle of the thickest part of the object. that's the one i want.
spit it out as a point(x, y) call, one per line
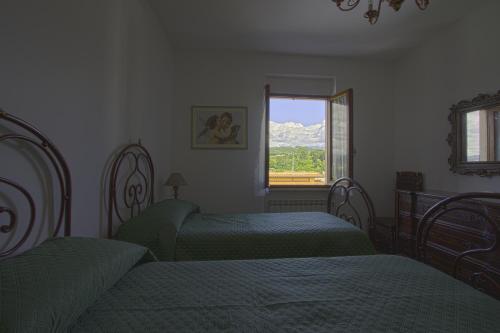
point(291, 134)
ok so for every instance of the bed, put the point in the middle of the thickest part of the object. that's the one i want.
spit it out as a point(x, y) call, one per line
point(176, 230)
point(74, 284)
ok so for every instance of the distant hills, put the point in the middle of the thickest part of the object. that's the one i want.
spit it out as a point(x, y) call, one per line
point(292, 134)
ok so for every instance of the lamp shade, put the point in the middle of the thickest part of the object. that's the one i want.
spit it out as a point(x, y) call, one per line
point(175, 179)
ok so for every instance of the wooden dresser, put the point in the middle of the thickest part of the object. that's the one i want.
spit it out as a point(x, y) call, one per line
point(452, 234)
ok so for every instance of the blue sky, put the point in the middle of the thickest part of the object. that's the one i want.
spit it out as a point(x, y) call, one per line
point(304, 111)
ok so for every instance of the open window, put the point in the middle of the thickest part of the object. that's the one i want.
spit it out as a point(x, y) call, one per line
point(308, 139)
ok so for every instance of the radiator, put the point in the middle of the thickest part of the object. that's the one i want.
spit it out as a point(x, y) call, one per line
point(282, 206)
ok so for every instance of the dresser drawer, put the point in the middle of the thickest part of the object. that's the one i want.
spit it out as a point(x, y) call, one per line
point(440, 258)
point(443, 235)
point(481, 276)
point(458, 239)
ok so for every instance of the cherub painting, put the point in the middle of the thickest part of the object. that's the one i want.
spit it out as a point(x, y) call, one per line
point(219, 127)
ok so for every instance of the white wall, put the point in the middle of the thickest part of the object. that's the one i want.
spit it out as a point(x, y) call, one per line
point(96, 74)
point(148, 85)
point(232, 181)
point(454, 64)
point(92, 75)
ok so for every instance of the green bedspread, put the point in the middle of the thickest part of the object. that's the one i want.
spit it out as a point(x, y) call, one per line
point(175, 230)
point(268, 235)
point(344, 294)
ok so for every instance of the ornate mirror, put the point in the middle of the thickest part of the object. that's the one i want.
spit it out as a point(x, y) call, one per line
point(475, 136)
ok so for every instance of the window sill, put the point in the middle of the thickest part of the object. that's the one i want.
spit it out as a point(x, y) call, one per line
point(281, 188)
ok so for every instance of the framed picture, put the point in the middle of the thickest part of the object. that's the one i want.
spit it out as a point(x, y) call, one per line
point(219, 127)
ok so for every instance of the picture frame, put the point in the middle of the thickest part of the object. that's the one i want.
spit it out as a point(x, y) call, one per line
point(219, 127)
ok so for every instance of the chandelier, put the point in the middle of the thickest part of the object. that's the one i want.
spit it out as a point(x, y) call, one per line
point(373, 14)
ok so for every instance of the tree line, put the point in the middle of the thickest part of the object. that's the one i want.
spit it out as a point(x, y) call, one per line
point(297, 159)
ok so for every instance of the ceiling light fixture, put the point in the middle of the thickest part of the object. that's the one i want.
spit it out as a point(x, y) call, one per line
point(373, 14)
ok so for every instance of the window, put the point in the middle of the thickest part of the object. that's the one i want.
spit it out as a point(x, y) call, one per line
point(308, 139)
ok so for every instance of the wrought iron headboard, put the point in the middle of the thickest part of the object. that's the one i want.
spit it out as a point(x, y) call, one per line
point(138, 190)
point(478, 208)
point(37, 139)
point(346, 187)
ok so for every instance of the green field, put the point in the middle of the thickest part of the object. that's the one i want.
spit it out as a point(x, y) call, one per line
point(296, 159)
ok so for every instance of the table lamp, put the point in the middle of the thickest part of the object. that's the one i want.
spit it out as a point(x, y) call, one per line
point(175, 180)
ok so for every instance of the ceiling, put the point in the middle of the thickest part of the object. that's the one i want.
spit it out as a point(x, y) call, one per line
point(314, 27)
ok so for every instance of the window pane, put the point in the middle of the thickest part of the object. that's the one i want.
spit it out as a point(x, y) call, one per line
point(297, 142)
point(472, 136)
point(340, 137)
